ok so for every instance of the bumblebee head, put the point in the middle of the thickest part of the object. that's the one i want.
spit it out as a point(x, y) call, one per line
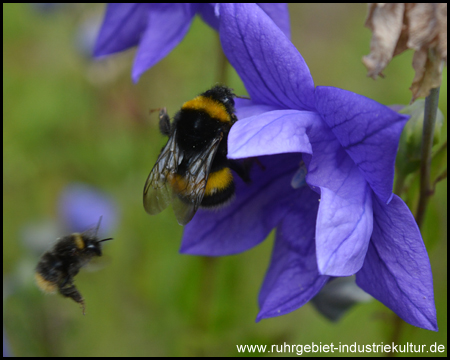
point(93, 246)
point(223, 94)
point(90, 242)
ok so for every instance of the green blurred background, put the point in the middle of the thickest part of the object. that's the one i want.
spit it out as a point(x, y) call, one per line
point(67, 118)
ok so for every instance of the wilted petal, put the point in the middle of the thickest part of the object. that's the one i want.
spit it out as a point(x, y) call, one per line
point(122, 27)
point(428, 73)
point(386, 22)
point(418, 26)
point(397, 269)
point(282, 78)
point(274, 132)
point(249, 218)
point(167, 26)
point(293, 278)
point(428, 36)
point(368, 131)
point(426, 22)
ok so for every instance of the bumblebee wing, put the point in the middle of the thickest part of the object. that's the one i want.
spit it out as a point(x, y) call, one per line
point(193, 185)
point(158, 193)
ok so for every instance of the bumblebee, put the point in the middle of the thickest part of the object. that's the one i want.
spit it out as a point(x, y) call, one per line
point(59, 265)
point(192, 169)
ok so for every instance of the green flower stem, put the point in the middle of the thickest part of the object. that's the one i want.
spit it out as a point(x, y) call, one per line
point(222, 71)
point(397, 327)
point(207, 286)
point(431, 105)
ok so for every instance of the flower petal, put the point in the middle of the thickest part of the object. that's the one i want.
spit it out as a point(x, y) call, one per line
point(273, 71)
point(208, 13)
point(293, 278)
point(246, 108)
point(344, 222)
point(397, 269)
point(279, 13)
point(167, 26)
point(344, 226)
point(122, 27)
point(368, 131)
point(274, 132)
point(249, 218)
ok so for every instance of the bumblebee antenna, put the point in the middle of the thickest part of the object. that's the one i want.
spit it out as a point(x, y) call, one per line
point(157, 109)
point(242, 97)
point(96, 230)
point(98, 225)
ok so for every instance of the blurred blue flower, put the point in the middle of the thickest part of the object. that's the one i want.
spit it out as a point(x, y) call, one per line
point(86, 35)
point(345, 219)
point(48, 8)
point(81, 206)
point(338, 296)
point(158, 28)
point(6, 352)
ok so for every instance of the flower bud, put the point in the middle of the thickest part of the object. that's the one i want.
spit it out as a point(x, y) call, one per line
point(410, 146)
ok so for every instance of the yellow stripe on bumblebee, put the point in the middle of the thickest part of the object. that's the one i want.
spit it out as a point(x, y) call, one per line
point(218, 180)
point(212, 107)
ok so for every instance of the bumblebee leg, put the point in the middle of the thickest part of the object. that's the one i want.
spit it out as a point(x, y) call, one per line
point(164, 122)
point(72, 292)
point(67, 279)
point(242, 169)
point(255, 160)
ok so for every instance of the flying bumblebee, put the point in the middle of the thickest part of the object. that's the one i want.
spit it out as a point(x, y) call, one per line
point(192, 169)
point(59, 265)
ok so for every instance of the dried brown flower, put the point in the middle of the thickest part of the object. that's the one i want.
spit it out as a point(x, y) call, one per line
point(400, 26)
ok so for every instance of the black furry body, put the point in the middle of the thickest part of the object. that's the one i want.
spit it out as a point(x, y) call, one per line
point(59, 265)
point(194, 165)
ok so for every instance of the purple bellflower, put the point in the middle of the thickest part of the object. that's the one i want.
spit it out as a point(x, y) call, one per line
point(158, 28)
point(344, 219)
